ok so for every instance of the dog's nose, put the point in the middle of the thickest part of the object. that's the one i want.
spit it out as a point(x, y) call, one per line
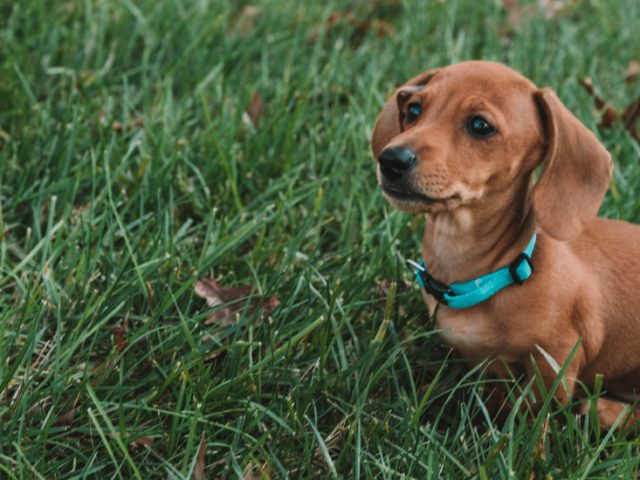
point(396, 161)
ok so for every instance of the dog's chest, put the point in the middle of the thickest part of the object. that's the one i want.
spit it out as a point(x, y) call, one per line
point(472, 333)
point(465, 331)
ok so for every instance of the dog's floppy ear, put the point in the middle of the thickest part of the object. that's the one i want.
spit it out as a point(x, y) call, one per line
point(388, 123)
point(576, 172)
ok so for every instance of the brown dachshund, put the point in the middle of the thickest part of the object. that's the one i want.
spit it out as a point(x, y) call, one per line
point(460, 144)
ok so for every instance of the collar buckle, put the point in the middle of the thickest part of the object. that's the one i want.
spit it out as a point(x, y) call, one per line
point(513, 268)
point(435, 287)
point(472, 292)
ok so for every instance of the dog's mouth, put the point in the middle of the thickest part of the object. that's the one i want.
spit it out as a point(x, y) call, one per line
point(412, 196)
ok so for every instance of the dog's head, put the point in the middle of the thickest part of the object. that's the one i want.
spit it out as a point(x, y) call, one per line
point(474, 131)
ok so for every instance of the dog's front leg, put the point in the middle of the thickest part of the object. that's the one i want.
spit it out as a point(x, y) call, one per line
point(548, 364)
point(613, 412)
point(610, 412)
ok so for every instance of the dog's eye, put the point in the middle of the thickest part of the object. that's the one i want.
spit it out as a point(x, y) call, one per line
point(480, 128)
point(413, 112)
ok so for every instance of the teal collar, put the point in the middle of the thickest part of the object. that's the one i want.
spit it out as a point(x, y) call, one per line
point(473, 292)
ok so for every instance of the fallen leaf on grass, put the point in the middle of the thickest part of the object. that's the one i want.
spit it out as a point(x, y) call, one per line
point(633, 71)
point(335, 19)
point(135, 443)
point(518, 13)
point(119, 127)
point(4, 138)
point(66, 420)
point(539, 451)
point(145, 442)
point(120, 342)
point(609, 116)
point(587, 84)
point(333, 444)
point(119, 334)
point(253, 471)
point(198, 471)
point(84, 79)
point(383, 286)
point(247, 19)
point(630, 118)
point(233, 300)
point(254, 112)
point(150, 292)
point(552, 8)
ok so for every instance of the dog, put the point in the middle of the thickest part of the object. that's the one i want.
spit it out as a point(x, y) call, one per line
point(522, 272)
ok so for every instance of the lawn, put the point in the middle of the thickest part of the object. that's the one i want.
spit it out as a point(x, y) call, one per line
point(145, 144)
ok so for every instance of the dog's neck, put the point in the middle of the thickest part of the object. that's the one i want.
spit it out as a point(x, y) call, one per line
point(472, 241)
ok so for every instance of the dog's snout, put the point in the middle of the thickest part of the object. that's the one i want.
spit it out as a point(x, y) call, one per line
point(396, 161)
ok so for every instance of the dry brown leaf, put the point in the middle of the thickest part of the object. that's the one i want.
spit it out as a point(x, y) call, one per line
point(234, 300)
point(137, 443)
point(255, 109)
point(247, 20)
point(539, 450)
point(119, 334)
point(609, 115)
point(4, 138)
point(146, 442)
point(551, 8)
point(253, 471)
point(215, 294)
point(333, 442)
point(360, 26)
point(380, 27)
point(66, 420)
point(331, 22)
point(383, 286)
point(120, 343)
point(118, 126)
point(588, 86)
point(198, 471)
point(633, 71)
point(150, 291)
point(517, 13)
point(630, 118)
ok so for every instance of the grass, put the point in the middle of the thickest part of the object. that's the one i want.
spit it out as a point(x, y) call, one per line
point(129, 168)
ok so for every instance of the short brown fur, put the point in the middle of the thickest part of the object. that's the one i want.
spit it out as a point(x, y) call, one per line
point(482, 207)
